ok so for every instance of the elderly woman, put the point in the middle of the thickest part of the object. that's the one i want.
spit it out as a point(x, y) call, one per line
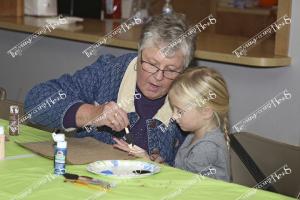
point(127, 91)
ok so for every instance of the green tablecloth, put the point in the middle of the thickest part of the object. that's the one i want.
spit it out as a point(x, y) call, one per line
point(24, 175)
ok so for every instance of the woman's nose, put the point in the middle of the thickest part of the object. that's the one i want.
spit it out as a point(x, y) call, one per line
point(159, 75)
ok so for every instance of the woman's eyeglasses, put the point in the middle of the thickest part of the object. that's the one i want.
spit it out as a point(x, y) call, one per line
point(151, 68)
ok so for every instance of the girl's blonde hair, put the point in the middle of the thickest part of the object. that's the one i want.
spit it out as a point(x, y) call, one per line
point(202, 86)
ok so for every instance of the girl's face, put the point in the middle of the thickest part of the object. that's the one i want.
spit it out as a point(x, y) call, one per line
point(189, 117)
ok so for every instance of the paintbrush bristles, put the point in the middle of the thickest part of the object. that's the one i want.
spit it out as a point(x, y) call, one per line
point(71, 176)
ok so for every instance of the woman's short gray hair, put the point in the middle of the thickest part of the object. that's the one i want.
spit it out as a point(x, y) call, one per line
point(166, 29)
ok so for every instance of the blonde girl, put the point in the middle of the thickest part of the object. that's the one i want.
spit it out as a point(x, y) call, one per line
point(200, 102)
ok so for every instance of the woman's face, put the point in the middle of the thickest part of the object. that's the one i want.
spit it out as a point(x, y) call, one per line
point(156, 85)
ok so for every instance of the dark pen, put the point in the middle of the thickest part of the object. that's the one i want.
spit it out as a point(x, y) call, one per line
point(128, 136)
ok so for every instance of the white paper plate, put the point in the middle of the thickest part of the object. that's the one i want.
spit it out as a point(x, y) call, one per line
point(122, 168)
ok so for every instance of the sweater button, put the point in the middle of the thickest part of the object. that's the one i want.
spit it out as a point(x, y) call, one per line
point(152, 124)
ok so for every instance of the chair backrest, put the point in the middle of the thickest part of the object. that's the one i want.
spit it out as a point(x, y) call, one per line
point(269, 155)
point(2, 94)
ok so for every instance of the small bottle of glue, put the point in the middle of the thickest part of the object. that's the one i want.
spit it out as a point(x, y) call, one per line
point(60, 153)
point(14, 120)
point(2, 143)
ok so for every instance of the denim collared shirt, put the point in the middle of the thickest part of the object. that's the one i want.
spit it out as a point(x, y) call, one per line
point(100, 82)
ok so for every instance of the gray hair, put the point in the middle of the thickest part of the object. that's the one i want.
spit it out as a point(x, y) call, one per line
point(165, 29)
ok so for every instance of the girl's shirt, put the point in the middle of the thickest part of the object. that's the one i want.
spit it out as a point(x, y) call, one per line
point(208, 156)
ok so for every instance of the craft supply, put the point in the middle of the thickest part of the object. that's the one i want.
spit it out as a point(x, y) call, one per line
point(123, 168)
point(128, 137)
point(141, 171)
point(88, 180)
point(2, 143)
point(14, 120)
point(82, 183)
point(58, 137)
point(80, 150)
point(126, 130)
point(60, 152)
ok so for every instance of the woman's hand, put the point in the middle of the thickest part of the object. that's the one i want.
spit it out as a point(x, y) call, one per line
point(112, 116)
point(108, 114)
point(131, 149)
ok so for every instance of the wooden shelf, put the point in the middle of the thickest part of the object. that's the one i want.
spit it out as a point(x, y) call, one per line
point(210, 46)
point(252, 11)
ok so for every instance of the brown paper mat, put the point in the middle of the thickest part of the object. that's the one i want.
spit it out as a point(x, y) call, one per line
point(80, 150)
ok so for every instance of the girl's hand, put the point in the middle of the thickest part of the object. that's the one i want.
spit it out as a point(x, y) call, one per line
point(131, 149)
point(155, 156)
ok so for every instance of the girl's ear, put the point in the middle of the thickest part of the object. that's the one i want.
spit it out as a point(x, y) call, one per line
point(207, 113)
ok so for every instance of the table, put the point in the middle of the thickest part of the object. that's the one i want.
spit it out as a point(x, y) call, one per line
point(24, 175)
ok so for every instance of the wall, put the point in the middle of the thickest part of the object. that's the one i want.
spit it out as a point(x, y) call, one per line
point(46, 59)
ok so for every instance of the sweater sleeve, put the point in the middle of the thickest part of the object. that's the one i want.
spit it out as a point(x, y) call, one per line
point(69, 120)
point(47, 103)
